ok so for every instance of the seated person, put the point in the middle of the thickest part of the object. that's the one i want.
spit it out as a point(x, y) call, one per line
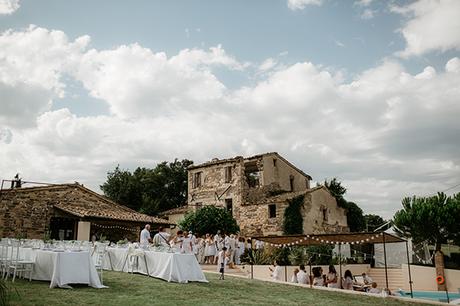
point(331, 278)
point(374, 289)
point(302, 276)
point(366, 279)
point(347, 283)
point(318, 277)
point(276, 272)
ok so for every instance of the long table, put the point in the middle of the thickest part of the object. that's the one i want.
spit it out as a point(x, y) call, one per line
point(63, 268)
point(171, 267)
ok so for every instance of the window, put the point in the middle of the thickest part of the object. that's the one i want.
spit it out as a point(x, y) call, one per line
point(229, 205)
point(274, 162)
point(324, 210)
point(291, 182)
point(228, 174)
point(272, 211)
point(196, 180)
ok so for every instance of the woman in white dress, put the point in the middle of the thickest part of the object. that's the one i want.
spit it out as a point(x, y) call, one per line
point(240, 250)
point(276, 272)
point(348, 280)
point(318, 277)
point(187, 245)
point(200, 245)
point(210, 249)
point(331, 278)
point(176, 242)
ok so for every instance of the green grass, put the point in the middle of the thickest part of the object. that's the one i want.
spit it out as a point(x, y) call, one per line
point(129, 289)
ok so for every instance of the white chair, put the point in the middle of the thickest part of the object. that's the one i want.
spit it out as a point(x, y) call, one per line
point(99, 254)
point(17, 264)
point(4, 262)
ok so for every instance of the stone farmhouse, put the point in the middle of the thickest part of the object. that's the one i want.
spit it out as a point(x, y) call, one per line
point(257, 190)
point(68, 212)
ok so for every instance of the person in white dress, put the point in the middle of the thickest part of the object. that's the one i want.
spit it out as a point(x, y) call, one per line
point(276, 271)
point(347, 280)
point(331, 278)
point(145, 237)
point(200, 245)
point(219, 242)
point(187, 246)
point(302, 276)
point(161, 238)
point(374, 289)
point(318, 279)
point(176, 242)
point(210, 249)
point(239, 250)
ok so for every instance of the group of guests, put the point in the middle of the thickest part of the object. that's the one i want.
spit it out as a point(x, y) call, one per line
point(208, 249)
point(330, 279)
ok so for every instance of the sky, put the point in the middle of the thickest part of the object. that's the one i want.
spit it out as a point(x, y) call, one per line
point(365, 91)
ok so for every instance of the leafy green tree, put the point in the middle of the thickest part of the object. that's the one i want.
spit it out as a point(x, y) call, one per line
point(373, 222)
point(430, 219)
point(210, 219)
point(355, 217)
point(293, 221)
point(150, 191)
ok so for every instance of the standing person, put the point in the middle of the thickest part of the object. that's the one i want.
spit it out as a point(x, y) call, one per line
point(222, 262)
point(240, 250)
point(201, 245)
point(233, 248)
point(176, 242)
point(210, 249)
point(294, 276)
point(218, 241)
point(187, 246)
point(348, 280)
point(145, 237)
point(161, 238)
point(331, 278)
point(276, 272)
point(194, 243)
point(302, 276)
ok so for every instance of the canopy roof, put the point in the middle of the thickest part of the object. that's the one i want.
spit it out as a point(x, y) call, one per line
point(341, 238)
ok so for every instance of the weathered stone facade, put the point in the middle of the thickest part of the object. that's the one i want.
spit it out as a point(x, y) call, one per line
point(32, 212)
point(257, 190)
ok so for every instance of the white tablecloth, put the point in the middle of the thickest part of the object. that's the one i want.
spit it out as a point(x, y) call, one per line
point(172, 267)
point(63, 268)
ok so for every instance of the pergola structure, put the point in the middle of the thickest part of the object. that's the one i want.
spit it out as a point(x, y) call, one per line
point(339, 239)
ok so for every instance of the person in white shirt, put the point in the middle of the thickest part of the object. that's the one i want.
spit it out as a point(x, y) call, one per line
point(374, 289)
point(276, 272)
point(347, 280)
point(186, 247)
point(233, 246)
point(219, 243)
point(161, 238)
point(302, 276)
point(294, 276)
point(318, 279)
point(176, 242)
point(259, 245)
point(331, 278)
point(366, 279)
point(222, 261)
point(239, 251)
point(145, 238)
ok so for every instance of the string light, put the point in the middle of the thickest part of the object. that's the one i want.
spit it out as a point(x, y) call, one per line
point(299, 241)
point(115, 227)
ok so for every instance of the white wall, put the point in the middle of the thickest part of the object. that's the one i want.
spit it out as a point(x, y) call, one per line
point(424, 278)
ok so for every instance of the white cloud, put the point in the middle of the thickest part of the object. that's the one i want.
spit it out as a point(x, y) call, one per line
point(367, 14)
point(387, 133)
point(338, 43)
point(363, 2)
point(301, 4)
point(268, 64)
point(8, 7)
point(431, 26)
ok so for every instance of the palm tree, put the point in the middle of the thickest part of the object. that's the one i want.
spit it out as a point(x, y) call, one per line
point(430, 219)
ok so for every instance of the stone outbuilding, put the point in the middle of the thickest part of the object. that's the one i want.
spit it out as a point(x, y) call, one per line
point(257, 190)
point(68, 212)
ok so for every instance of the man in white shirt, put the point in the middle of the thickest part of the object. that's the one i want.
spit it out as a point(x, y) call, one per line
point(161, 238)
point(367, 279)
point(302, 276)
point(145, 236)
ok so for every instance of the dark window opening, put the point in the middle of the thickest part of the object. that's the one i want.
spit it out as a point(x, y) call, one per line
point(253, 174)
point(325, 217)
point(229, 205)
point(228, 174)
point(291, 182)
point(62, 228)
point(198, 205)
point(272, 211)
point(196, 180)
point(274, 162)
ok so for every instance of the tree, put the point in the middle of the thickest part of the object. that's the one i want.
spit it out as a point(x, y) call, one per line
point(355, 218)
point(150, 191)
point(430, 219)
point(293, 221)
point(373, 222)
point(210, 219)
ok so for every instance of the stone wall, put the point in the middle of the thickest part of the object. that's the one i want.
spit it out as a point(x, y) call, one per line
point(24, 213)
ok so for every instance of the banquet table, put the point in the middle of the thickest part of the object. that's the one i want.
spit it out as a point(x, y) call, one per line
point(171, 267)
point(62, 268)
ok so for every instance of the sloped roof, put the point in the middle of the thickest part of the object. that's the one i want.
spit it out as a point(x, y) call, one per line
point(174, 211)
point(82, 202)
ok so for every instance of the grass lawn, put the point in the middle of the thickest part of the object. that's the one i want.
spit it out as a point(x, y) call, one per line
point(128, 289)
